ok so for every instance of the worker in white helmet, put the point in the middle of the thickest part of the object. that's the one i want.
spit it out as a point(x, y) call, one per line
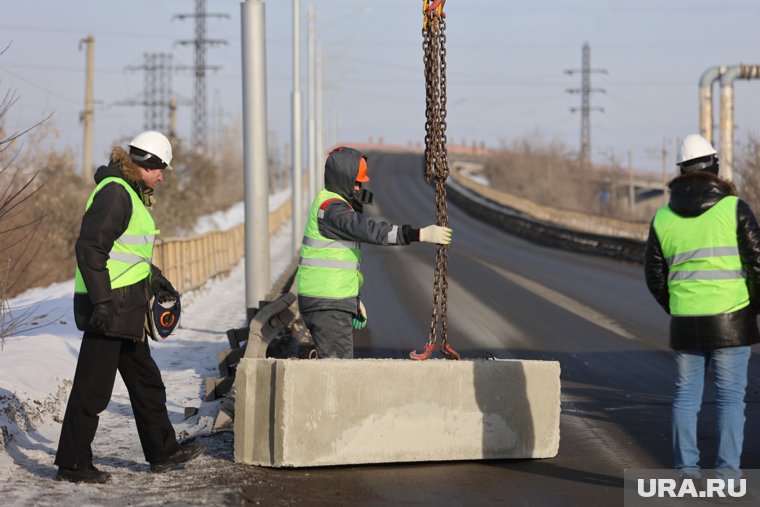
point(703, 267)
point(115, 280)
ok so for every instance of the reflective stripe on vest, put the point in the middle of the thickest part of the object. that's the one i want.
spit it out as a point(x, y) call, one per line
point(330, 243)
point(705, 273)
point(328, 268)
point(130, 257)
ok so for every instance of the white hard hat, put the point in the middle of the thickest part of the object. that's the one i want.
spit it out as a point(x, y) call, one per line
point(694, 146)
point(156, 146)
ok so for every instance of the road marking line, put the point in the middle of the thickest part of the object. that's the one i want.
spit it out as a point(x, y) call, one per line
point(559, 299)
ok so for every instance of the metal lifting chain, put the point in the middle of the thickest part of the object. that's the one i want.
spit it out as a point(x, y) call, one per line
point(436, 166)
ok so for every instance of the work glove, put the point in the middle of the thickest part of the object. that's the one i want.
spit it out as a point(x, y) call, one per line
point(436, 234)
point(102, 317)
point(360, 320)
point(159, 283)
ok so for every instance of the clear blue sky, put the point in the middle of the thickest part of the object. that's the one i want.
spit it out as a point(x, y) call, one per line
point(505, 67)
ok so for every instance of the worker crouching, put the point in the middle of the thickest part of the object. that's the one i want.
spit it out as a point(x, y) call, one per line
point(329, 276)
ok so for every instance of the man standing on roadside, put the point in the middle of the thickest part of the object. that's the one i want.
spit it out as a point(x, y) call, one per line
point(115, 282)
point(703, 267)
point(328, 276)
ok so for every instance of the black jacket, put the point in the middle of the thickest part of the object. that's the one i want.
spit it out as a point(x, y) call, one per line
point(346, 221)
point(106, 220)
point(691, 195)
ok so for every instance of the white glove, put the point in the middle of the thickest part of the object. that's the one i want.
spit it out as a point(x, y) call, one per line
point(435, 234)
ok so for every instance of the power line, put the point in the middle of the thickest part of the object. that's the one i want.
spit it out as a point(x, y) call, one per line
point(39, 87)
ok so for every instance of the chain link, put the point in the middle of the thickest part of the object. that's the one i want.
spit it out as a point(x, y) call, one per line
point(436, 163)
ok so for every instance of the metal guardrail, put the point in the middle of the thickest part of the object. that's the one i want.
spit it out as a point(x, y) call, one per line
point(546, 226)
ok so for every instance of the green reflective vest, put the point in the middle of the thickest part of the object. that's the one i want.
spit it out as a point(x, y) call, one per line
point(129, 260)
point(328, 268)
point(705, 275)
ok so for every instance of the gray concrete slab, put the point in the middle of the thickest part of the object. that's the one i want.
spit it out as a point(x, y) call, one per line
point(294, 413)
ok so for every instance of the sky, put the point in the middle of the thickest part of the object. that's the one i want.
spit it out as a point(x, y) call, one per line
point(505, 61)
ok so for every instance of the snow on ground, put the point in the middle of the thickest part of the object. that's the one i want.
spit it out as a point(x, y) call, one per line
point(222, 220)
point(36, 368)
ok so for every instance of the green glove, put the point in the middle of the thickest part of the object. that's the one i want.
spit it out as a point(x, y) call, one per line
point(360, 320)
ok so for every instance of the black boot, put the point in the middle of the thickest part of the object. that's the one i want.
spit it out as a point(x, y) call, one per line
point(86, 474)
point(185, 453)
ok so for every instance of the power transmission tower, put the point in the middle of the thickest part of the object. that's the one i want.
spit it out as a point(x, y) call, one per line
point(157, 91)
point(586, 90)
point(200, 112)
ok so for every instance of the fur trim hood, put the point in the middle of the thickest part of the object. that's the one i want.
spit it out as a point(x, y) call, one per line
point(121, 166)
point(120, 160)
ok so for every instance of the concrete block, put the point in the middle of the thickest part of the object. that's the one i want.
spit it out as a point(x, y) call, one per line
point(237, 337)
point(268, 322)
point(293, 413)
point(216, 387)
point(223, 421)
point(227, 361)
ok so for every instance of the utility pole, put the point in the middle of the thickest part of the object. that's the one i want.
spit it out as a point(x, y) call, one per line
point(157, 91)
point(87, 116)
point(631, 194)
point(319, 127)
point(312, 91)
point(172, 120)
point(664, 172)
point(200, 112)
point(585, 91)
point(255, 154)
point(297, 130)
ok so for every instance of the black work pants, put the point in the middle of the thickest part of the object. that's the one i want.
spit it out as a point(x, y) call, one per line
point(99, 359)
point(332, 332)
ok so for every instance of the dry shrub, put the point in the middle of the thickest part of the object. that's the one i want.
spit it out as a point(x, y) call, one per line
point(55, 211)
point(186, 193)
point(544, 172)
point(40, 244)
point(58, 206)
point(21, 234)
point(199, 185)
point(547, 173)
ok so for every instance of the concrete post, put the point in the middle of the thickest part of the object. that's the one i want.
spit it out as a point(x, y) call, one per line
point(255, 154)
point(88, 113)
point(664, 173)
point(631, 196)
point(313, 184)
point(320, 149)
point(297, 129)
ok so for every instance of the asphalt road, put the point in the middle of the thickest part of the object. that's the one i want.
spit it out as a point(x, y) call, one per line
point(514, 299)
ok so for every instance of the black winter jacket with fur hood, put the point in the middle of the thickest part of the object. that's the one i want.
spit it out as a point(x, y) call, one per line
point(106, 220)
point(691, 195)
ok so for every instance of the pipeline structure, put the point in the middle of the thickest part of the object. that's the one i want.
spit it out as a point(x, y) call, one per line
point(727, 76)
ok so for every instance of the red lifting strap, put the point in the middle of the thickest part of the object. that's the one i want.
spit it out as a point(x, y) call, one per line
point(325, 204)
